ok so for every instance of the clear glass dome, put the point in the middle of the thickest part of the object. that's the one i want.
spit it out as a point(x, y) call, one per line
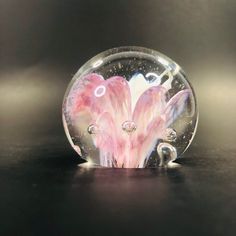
point(130, 107)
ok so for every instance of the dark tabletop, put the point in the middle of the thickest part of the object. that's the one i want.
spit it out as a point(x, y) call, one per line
point(44, 191)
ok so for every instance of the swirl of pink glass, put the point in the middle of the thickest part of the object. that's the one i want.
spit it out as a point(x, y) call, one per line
point(109, 103)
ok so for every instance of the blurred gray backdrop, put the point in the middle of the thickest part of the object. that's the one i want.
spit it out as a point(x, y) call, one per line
point(43, 43)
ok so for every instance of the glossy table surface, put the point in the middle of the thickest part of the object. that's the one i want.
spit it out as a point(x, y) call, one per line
point(44, 191)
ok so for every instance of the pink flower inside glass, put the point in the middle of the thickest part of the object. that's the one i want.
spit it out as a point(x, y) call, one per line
point(130, 107)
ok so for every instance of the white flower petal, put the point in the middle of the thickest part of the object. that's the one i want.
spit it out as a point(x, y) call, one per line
point(138, 85)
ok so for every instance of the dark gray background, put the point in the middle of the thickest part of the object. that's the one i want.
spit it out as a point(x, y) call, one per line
point(43, 191)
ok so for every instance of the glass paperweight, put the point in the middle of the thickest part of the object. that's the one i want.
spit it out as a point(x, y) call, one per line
point(130, 107)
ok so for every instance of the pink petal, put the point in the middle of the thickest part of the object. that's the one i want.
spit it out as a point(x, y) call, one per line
point(105, 138)
point(112, 143)
point(113, 96)
point(78, 102)
point(80, 94)
point(150, 105)
point(155, 131)
point(107, 104)
point(148, 118)
point(175, 106)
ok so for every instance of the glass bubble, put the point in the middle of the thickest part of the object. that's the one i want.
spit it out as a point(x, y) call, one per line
point(130, 107)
